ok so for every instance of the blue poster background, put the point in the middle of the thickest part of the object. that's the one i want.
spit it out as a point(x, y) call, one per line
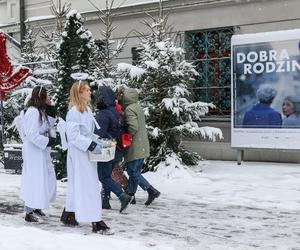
point(274, 64)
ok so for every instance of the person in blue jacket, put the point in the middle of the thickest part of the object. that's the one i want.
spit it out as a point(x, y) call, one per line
point(108, 119)
point(261, 115)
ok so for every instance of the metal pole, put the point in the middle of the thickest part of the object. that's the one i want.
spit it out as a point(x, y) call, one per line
point(2, 131)
point(22, 23)
point(240, 156)
point(2, 125)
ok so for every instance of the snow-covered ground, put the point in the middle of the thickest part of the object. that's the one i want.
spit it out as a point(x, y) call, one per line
point(217, 205)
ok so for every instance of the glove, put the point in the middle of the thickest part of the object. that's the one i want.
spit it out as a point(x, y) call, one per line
point(51, 142)
point(95, 148)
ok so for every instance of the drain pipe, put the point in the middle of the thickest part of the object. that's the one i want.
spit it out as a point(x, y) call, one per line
point(22, 22)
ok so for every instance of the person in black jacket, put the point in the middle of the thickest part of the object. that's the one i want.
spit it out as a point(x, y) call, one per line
point(108, 119)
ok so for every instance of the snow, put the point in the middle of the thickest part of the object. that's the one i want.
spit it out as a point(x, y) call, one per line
point(39, 18)
point(155, 132)
point(210, 133)
point(134, 71)
point(140, 3)
point(33, 238)
point(152, 64)
point(22, 92)
point(216, 205)
point(86, 35)
point(73, 13)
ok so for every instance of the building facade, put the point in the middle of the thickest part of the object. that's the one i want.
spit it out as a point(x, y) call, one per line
point(203, 27)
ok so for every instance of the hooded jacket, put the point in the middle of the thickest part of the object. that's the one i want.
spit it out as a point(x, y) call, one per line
point(135, 120)
point(108, 118)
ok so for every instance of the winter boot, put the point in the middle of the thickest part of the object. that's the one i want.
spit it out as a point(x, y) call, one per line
point(101, 227)
point(105, 203)
point(152, 194)
point(29, 217)
point(124, 199)
point(68, 218)
point(133, 201)
point(39, 212)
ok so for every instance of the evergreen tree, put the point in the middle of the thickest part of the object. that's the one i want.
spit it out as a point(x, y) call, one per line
point(164, 79)
point(12, 106)
point(15, 100)
point(108, 49)
point(53, 39)
point(76, 52)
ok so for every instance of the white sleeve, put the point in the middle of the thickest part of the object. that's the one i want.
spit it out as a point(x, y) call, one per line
point(51, 120)
point(73, 132)
point(61, 128)
point(31, 126)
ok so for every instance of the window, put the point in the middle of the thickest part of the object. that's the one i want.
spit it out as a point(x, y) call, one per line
point(210, 51)
point(12, 11)
point(135, 55)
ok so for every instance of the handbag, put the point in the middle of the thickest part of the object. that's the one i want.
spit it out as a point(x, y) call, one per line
point(119, 177)
point(126, 140)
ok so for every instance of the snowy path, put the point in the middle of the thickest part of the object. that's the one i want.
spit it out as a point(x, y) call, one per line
point(221, 217)
point(192, 225)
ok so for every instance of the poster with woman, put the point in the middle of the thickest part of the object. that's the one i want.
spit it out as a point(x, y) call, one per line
point(266, 90)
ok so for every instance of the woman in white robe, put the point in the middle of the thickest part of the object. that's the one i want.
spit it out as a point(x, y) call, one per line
point(38, 183)
point(83, 192)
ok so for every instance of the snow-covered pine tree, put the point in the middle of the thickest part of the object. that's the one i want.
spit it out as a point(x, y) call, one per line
point(15, 100)
point(12, 106)
point(33, 57)
point(52, 39)
point(76, 54)
point(105, 72)
point(164, 79)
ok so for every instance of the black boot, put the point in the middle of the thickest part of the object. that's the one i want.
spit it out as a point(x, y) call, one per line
point(29, 217)
point(133, 201)
point(39, 212)
point(101, 227)
point(68, 218)
point(105, 203)
point(152, 194)
point(124, 199)
point(132, 195)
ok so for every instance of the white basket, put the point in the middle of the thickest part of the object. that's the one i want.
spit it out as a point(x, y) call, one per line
point(108, 154)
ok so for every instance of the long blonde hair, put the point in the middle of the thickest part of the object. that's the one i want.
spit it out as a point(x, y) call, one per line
point(75, 99)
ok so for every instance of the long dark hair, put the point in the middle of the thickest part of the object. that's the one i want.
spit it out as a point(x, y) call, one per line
point(38, 100)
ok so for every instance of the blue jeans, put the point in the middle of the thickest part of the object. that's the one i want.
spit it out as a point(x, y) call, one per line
point(109, 185)
point(134, 169)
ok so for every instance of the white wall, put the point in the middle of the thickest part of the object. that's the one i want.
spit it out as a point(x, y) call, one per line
point(9, 11)
point(42, 7)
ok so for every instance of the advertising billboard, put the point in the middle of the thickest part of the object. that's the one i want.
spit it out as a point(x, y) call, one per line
point(266, 90)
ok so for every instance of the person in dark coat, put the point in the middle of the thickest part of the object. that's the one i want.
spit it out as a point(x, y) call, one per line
point(261, 115)
point(108, 119)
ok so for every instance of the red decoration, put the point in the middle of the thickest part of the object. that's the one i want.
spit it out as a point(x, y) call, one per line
point(9, 79)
